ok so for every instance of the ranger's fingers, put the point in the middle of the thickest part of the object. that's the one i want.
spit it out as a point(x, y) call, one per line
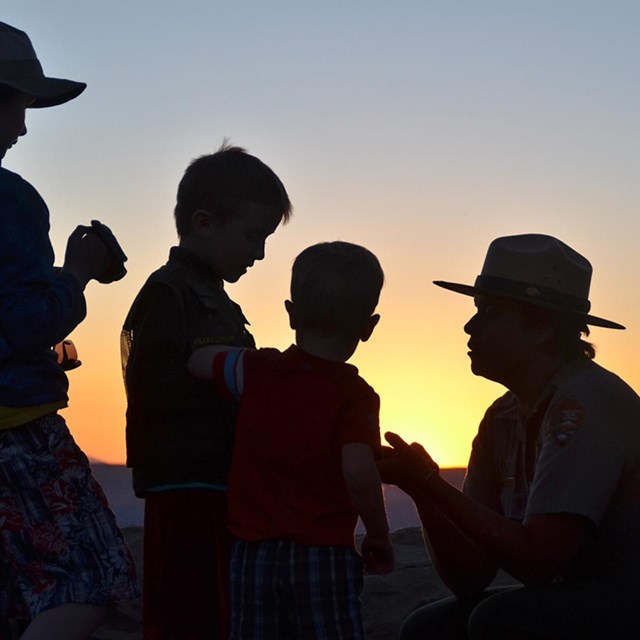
point(419, 448)
point(395, 440)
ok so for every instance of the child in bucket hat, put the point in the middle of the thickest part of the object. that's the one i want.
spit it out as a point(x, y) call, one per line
point(63, 560)
point(20, 69)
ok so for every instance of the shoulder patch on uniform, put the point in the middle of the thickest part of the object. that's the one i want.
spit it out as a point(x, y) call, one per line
point(566, 419)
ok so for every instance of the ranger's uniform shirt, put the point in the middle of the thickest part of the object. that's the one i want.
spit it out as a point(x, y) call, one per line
point(578, 452)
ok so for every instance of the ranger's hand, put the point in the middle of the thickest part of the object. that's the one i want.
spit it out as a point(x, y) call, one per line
point(407, 466)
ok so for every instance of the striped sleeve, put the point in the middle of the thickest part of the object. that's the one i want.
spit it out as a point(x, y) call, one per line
point(228, 373)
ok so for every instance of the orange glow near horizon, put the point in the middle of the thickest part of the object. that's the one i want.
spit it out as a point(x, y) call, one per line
point(416, 360)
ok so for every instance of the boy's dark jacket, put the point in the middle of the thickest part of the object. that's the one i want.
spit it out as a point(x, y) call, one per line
point(178, 431)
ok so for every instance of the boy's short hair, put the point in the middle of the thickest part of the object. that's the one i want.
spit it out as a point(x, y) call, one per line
point(335, 286)
point(224, 180)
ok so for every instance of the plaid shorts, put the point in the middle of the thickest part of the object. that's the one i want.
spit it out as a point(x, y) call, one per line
point(59, 542)
point(286, 590)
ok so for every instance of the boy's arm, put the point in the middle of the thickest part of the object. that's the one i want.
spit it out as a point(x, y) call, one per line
point(363, 485)
point(200, 363)
point(223, 365)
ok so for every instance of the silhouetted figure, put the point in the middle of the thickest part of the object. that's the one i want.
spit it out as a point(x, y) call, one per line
point(552, 491)
point(63, 560)
point(179, 434)
point(304, 466)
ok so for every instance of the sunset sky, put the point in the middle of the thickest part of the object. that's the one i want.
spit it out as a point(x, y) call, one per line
point(420, 129)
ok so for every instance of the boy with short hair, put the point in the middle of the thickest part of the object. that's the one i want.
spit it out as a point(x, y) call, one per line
point(179, 434)
point(63, 560)
point(303, 469)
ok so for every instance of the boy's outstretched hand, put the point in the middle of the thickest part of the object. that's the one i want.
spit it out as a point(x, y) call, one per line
point(377, 555)
point(406, 466)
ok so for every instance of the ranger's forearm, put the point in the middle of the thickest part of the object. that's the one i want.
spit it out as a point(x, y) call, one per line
point(460, 563)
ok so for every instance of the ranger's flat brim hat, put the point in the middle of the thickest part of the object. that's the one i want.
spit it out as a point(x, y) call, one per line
point(21, 69)
point(539, 270)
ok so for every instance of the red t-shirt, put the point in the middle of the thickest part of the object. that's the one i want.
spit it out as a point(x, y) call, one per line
point(296, 413)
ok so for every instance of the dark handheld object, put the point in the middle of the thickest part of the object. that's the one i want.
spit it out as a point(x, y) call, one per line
point(116, 270)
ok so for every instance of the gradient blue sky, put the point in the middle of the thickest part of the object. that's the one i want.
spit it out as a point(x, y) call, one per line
point(420, 129)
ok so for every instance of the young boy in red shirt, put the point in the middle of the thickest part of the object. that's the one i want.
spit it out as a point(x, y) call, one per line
point(179, 434)
point(303, 468)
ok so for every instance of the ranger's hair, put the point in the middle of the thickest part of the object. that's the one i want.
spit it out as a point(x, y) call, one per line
point(568, 331)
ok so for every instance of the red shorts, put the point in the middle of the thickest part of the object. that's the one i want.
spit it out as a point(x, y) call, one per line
point(185, 591)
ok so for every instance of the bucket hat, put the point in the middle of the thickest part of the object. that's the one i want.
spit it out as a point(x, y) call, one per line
point(537, 269)
point(21, 69)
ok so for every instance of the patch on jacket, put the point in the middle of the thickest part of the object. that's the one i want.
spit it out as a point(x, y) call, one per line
point(566, 420)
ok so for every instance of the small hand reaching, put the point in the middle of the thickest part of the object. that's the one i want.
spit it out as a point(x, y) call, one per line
point(377, 555)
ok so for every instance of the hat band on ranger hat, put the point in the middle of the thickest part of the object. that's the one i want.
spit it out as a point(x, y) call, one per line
point(533, 292)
